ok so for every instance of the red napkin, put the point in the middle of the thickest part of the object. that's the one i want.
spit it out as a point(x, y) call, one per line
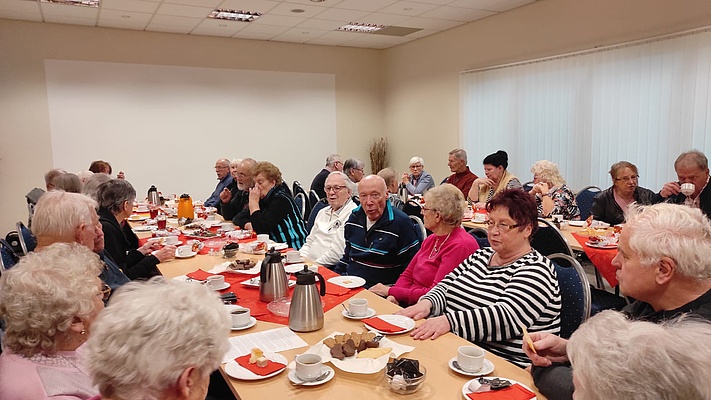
point(513, 392)
point(286, 250)
point(199, 275)
point(382, 325)
point(270, 368)
point(336, 290)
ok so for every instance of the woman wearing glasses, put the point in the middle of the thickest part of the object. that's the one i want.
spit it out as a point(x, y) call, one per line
point(609, 205)
point(49, 302)
point(418, 181)
point(499, 290)
point(440, 253)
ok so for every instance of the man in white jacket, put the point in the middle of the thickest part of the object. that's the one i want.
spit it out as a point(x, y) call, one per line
point(326, 243)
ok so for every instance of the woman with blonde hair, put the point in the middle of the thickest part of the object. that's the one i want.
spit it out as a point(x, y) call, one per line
point(49, 301)
point(552, 196)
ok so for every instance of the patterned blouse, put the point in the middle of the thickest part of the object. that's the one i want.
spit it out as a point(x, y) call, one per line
point(564, 204)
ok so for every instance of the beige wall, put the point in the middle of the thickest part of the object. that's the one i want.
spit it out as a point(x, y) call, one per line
point(422, 77)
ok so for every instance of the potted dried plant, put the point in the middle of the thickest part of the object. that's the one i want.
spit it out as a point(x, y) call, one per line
point(378, 154)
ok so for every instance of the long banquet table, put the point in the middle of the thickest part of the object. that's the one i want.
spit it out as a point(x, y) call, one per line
point(441, 382)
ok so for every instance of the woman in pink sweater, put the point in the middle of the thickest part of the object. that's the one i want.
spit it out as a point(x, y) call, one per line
point(447, 246)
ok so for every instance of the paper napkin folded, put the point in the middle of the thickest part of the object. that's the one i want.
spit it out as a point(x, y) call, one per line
point(270, 368)
point(513, 392)
point(336, 290)
point(199, 275)
point(382, 325)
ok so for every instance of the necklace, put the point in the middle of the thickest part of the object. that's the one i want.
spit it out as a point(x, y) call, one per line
point(437, 247)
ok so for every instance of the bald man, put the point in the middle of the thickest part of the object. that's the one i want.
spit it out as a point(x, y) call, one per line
point(222, 169)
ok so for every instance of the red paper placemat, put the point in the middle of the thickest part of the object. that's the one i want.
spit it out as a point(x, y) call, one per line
point(601, 259)
point(270, 368)
point(513, 392)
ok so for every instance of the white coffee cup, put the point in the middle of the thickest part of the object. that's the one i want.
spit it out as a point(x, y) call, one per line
point(358, 307)
point(687, 189)
point(172, 240)
point(263, 238)
point(308, 366)
point(479, 217)
point(185, 251)
point(470, 358)
point(227, 226)
point(293, 256)
point(240, 317)
point(215, 282)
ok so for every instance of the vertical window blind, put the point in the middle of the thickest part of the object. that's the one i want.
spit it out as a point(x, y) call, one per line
point(643, 102)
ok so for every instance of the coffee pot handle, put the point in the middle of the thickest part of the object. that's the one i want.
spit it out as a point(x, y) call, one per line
point(322, 284)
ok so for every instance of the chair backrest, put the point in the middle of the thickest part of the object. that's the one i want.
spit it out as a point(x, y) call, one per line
point(481, 236)
point(27, 239)
point(8, 258)
point(444, 181)
point(300, 189)
point(528, 186)
point(584, 198)
point(300, 200)
point(574, 293)
point(548, 239)
point(420, 226)
point(318, 206)
point(313, 198)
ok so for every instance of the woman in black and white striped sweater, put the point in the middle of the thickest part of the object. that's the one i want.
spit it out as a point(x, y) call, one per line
point(495, 292)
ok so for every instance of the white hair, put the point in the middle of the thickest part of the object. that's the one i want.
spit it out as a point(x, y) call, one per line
point(676, 231)
point(332, 159)
point(350, 186)
point(235, 162)
point(59, 213)
point(548, 172)
point(415, 160)
point(91, 185)
point(84, 175)
point(615, 358)
point(44, 292)
point(153, 331)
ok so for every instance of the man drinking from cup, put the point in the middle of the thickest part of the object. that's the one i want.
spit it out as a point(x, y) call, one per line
point(692, 188)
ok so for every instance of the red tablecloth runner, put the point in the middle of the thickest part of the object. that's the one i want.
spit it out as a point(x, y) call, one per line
point(601, 258)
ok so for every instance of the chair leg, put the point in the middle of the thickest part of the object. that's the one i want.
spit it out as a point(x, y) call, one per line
point(599, 281)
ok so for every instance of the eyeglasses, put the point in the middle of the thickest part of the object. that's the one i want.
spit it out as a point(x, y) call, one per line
point(628, 178)
point(429, 209)
point(219, 167)
point(416, 166)
point(501, 226)
point(334, 189)
point(105, 292)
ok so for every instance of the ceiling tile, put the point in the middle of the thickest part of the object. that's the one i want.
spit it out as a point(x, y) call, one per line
point(334, 38)
point(265, 29)
point(285, 9)
point(322, 24)
point(168, 28)
point(128, 16)
point(328, 3)
point(261, 6)
point(338, 14)
point(303, 34)
point(278, 20)
point(457, 13)
point(222, 25)
point(491, 5)
point(211, 32)
point(438, 2)
point(364, 5)
point(408, 8)
point(65, 19)
point(196, 3)
point(178, 10)
point(135, 25)
point(185, 23)
point(21, 6)
point(21, 15)
point(129, 5)
point(430, 23)
point(383, 19)
point(510, 4)
point(69, 11)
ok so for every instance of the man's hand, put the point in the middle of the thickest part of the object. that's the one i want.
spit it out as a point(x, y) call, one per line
point(550, 349)
point(225, 195)
point(670, 189)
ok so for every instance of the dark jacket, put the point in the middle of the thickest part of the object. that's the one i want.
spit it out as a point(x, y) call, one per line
point(111, 274)
point(319, 183)
point(382, 253)
point(605, 208)
point(239, 201)
point(278, 216)
point(131, 261)
point(705, 199)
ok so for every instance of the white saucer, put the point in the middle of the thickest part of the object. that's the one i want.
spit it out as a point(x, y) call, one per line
point(324, 368)
point(370, 313)
point(223, 287)
point(465, 388)
point(136, 218)
point(348, 281)
point(252, 322)
point(192, 254)
point(487, 368)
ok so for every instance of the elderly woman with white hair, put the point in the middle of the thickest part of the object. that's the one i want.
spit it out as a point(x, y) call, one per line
point(552, 196)
point(615, 358)
point(158, 340)
point(49, 301)
point(418, 181)
point(92, 183)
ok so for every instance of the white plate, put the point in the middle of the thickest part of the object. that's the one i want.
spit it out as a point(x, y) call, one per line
point(252, 322)
point(223, 268)
point(606, 246)
point(254, 282)
point(406, 323)
point(295, 380)
point(465, 388)
point(348, 281)
point(238, 372)
point(486, 369)
point(137, 218)
point(223, 287)
point(192, 254)
point(294, 268)
point(145, 228)
point(577, 223)
point(370, 313)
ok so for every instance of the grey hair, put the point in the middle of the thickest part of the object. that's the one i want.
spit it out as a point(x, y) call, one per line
point(390, 177)
point(52, 174)
point(448, 201)
point(84, 175)
point(415, 160)
point(615, 358)
point(692, 158)
point(350, 186)
point(112, 194)
point(59, 213)
point(153, 331)
point(223, 161)
point(68, 182)
point(332, 159)
point(352, 163)
point(250, 163)
point(235, 162)
point(44, 292)
point(91, 186)
point(548, 172)
point(459, 154)
point(676, 231)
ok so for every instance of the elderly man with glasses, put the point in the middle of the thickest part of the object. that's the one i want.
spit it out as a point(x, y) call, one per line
point(326, 242)
point(232, 202)
point(692, 187)
point(222, 169)
point(333, 163)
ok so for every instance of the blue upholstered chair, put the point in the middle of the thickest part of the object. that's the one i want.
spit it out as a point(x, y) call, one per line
point(584, 198)
point(548, 239)
point(28, 242)
point(574, 293)
point(420, 227)
point(481, 236)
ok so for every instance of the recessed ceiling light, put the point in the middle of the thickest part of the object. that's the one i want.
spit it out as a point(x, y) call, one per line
point(234, 15)
point(126, 16)
point(85, 3)
point(360, 27)
point(317, 1)
point(298, 10)
point(407, 9)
